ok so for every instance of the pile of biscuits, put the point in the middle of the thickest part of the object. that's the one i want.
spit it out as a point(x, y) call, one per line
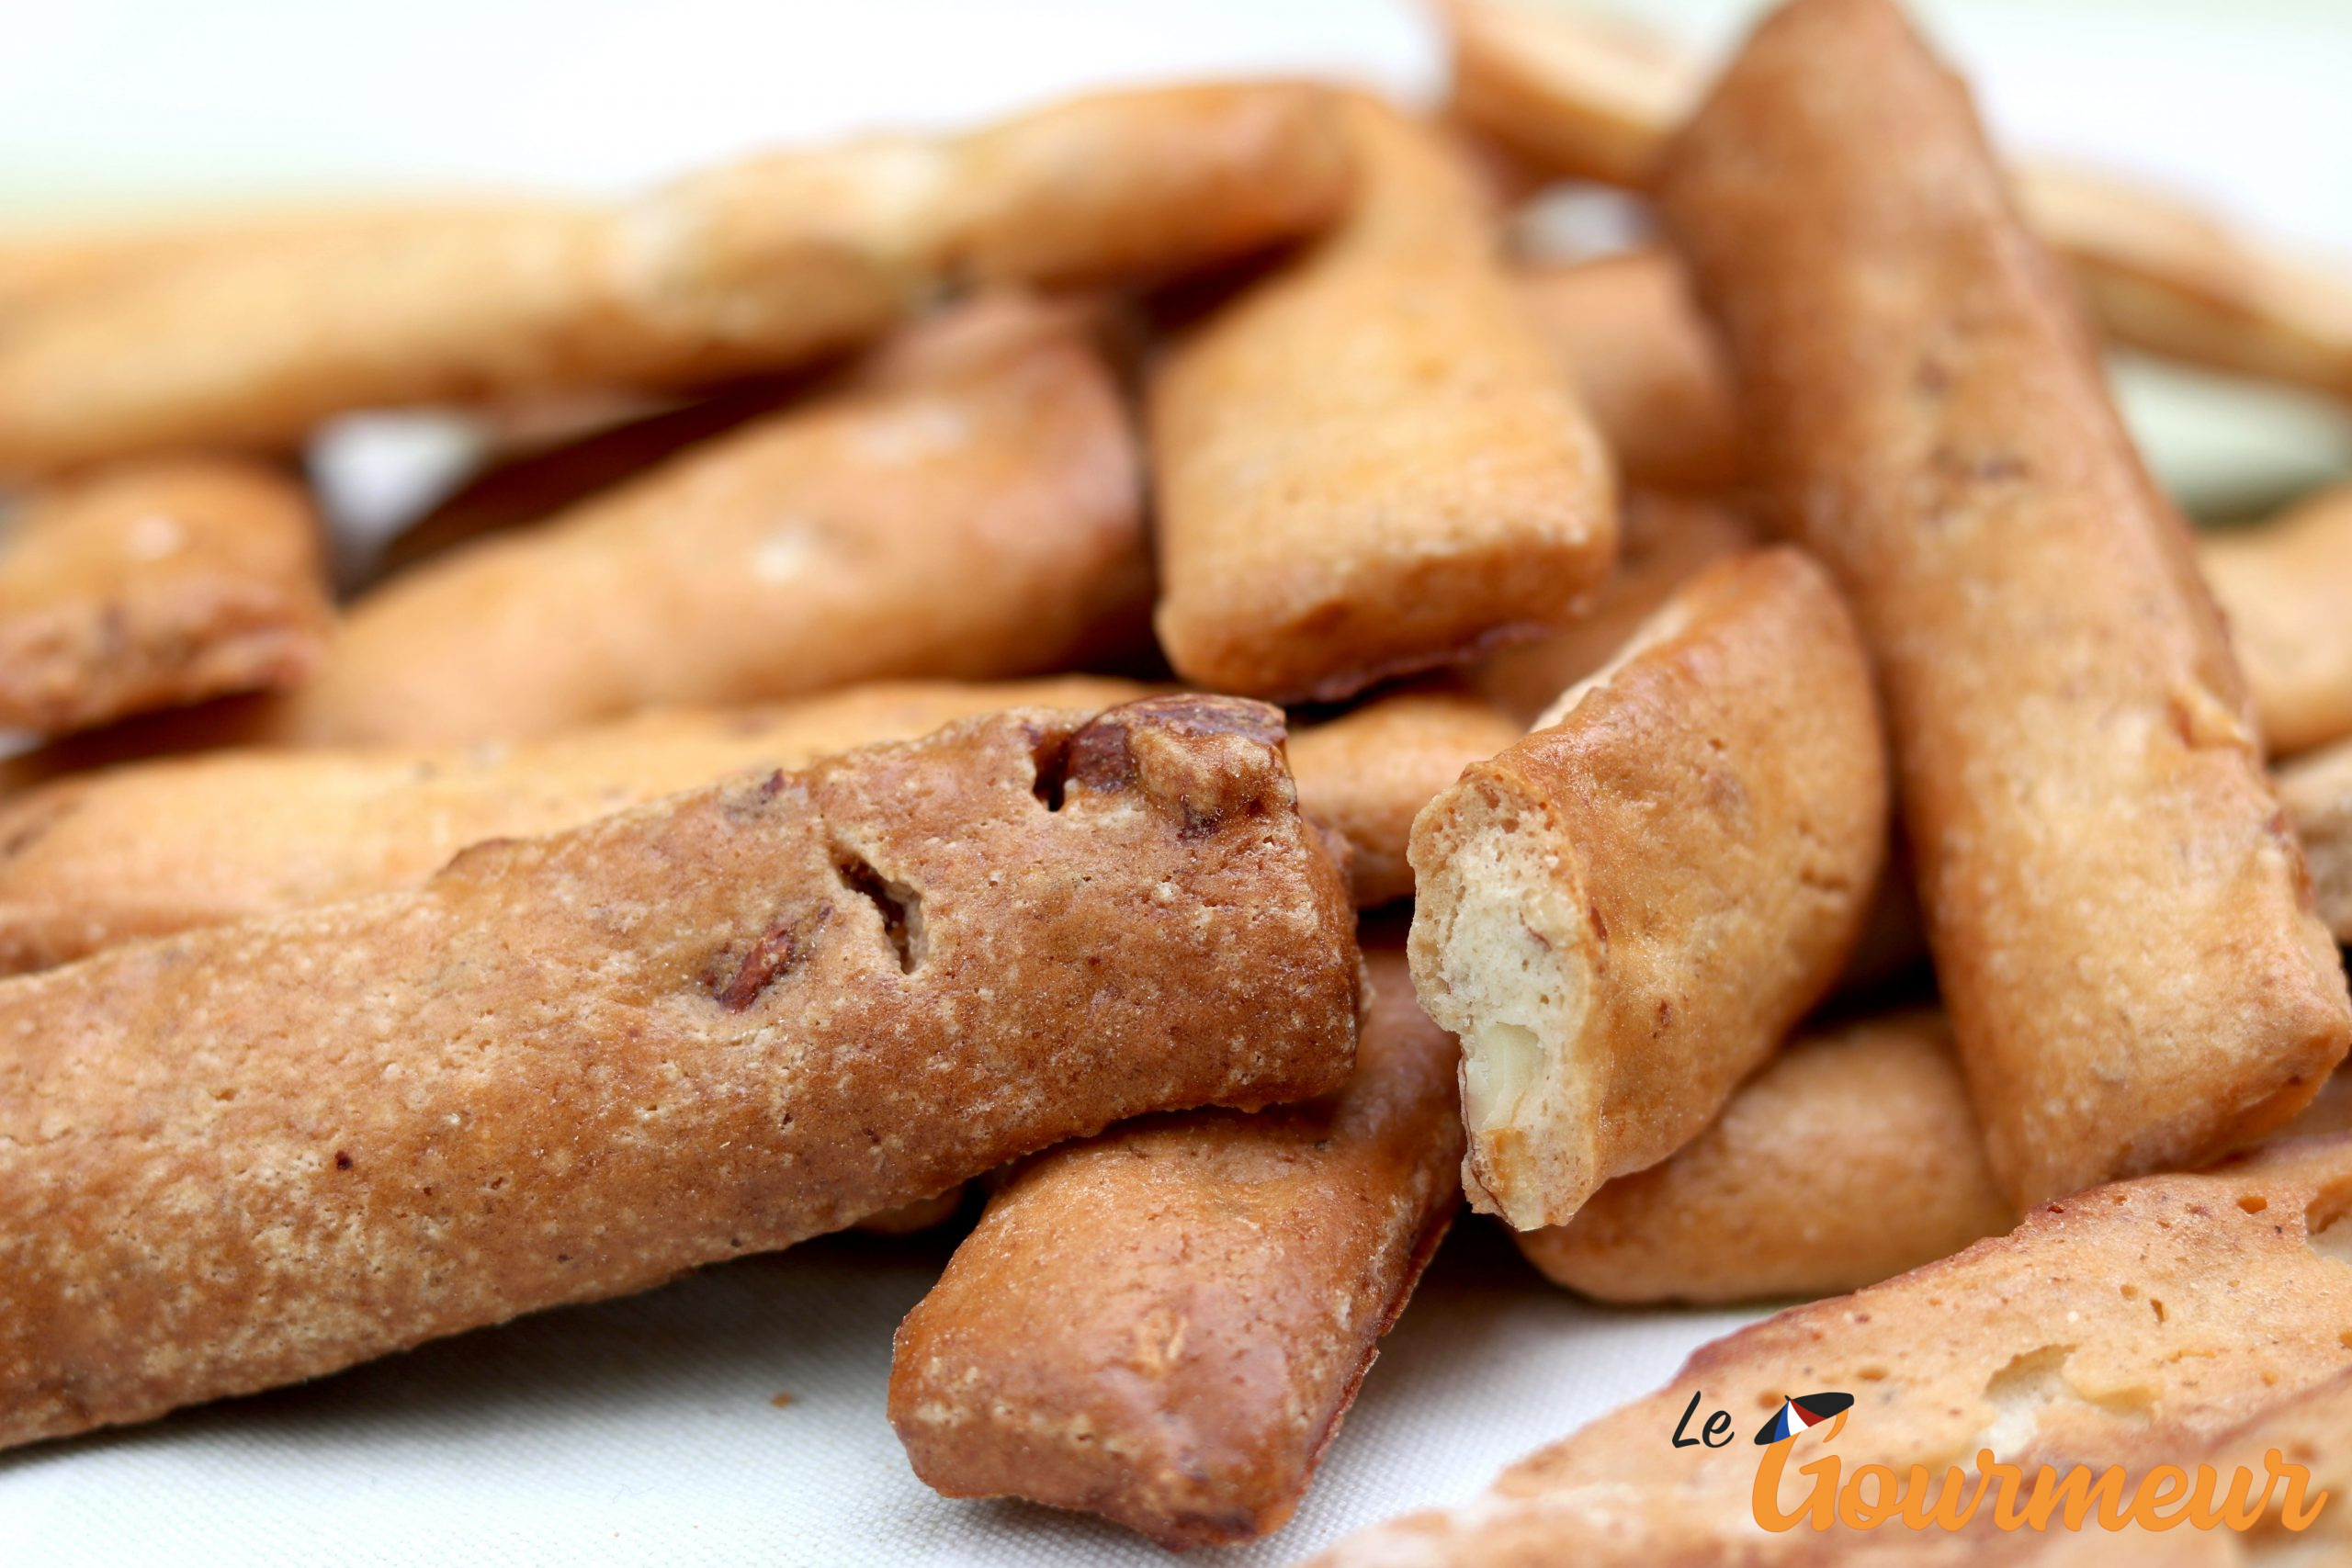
point(833, 770)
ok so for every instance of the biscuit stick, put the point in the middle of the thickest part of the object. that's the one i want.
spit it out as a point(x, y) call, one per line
point(570, 1067)
point(753, 267)
point(1622, 914)
point(1594, 95)
point(145, 849)
point(975, 517)
point(2285, 587)
point(2124, 1325)
point(1165, 1324)
point(1367, 464)
point(2117, 908)
point(1849, 1159)
point(153, 584)
point(1629, 337)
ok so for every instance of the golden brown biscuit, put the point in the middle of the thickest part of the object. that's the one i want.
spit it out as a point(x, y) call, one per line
point(1622, 914)
point(1593, 96)
point(1664, 541)
point(1849, 1159)
point(1852, 1156)
point(1587, 93)
point(156, 583)
point(1629, 336)
point(572, 1067)
point(1165, 1324)
point(2124, 1325)
point(147, 849)
point(979, 517)
point(2118, 911)
point(144, 849)
point(1366, 773)
point(2286, 588)
point(1367, 464)
point(2316, 790)
point(745, 268)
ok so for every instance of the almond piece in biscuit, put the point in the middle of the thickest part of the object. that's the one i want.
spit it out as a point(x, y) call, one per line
point(1622, 914)
point(570, 1067)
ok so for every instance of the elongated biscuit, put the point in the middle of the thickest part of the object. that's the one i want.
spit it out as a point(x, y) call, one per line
point(1629, 336)
point(2124, 1325)
point(1367, 464)
point(148, 849)
point(1165, 1324)
point(570, 1067)
point(1595, 96)
point(1851, 1158)
point(1664, 542)
point(157, 583)
point(1368, 772)
point(2316, 790)
point(2285, 587)
point(1622, 914)
point(748, 267)
point(980, 519)
point(2119, 913)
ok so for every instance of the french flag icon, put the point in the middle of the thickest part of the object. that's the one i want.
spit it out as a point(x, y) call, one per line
point(1795, 1414)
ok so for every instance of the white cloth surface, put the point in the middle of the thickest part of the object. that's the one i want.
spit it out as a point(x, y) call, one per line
point(643, 1431)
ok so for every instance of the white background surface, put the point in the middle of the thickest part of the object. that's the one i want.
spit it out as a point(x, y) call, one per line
point(643, 1431)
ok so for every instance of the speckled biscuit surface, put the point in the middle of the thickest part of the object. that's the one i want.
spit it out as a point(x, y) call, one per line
point(1165, 1324)
point(570, 1067)
point(2119, 914)
point(2126, 1325)
point(156, 583)
point(147, 849)
point(1368, 463)
point(1622, 914)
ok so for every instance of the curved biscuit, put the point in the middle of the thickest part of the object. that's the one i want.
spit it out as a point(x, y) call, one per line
point(1622, 914)
point(2118, 911)
point(978, 519)
point(1849, 1159)
point(570, 1067)
point(1165, 1324)
point(154, 584)
point(2124, 1325)
point(753, 267)
point(2317, 794)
